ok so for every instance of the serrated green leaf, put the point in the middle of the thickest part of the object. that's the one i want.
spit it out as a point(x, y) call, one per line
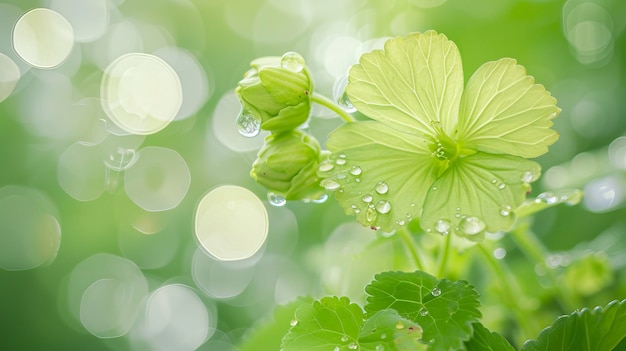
point(331, 323)
point(387, 330)
point(372, 164)
point(411, 85)
point(600, 329)
point(444, 309)
point(504, 112)
point(268, 335)
point(485, 340)
point(478, 192)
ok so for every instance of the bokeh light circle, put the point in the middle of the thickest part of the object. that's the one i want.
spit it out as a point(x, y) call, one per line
point(231, 223)
point(220, 279)
point(30, 233)
point(80, 172)
point(89, 18)
point(159, 180)
point(43, 38)
point(9, 75)
point(141, 93)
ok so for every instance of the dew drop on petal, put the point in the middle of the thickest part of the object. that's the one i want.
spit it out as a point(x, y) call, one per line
point(442, 226)
point(381, 188)
point(399, 325)
point(436, 292)
point(292, 61)
point(472, 225)
point(330, 184)
point(248, 125)
point(275, 199)
point(383, 206)
point(355, 170)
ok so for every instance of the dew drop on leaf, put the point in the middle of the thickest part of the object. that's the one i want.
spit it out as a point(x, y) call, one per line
point(326, 166)
point(367, 198)
point(383, 206)
point(442, 226)
point(501, 186)
point(275, 199)
point(547, 197)
point(321, 199)
point(340, 95)
point(370, 214)
point(293, 322)
point(336, 348)
point(344, 338)
point(355, 170)
point(292, 61)
point(528, 177)
point(423, 312)
point(340, 161)
point(352, 346)
point(384, 335)
point(399, 325)
point(505, 210)
point(381, 188)
point(471, 225)
point(380, 347)
point(248, 125)
point(436, 292)
point(330, 184)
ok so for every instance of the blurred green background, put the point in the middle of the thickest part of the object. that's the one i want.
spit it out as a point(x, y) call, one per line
point(576, 48)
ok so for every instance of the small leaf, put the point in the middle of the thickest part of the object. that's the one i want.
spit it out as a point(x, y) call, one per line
point(600, 329)
point(444, 309)
point(373, 165)
point(412, 86)
point(479, 192)
point(485, 340)
point(331, 323)
point(268, 334)
point(504, 112)
point(386, 330)
point(549, 199)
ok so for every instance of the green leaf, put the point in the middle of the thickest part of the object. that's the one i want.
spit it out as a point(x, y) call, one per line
point(412, 85)
point(387, 330)
point(331, 323)
point(444, 309)
point(485, 340)
point(268, 335)
point(372, 165)
point(478, 192)
point(504, 112)
point(600, 329)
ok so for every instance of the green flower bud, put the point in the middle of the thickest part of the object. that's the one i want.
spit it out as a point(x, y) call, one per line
point(287, 165)
point(276, 91)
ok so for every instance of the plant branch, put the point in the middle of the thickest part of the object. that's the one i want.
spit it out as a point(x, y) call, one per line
point(326, 102)
point(411, 246)
point(443, 256)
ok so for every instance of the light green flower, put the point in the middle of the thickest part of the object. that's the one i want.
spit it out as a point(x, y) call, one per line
point(276, 91)
point(287, 165)
point(453, 157)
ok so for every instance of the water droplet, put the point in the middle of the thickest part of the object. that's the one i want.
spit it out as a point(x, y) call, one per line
point(501, 186)
point(380, 347)
point(248, 125)
point(574, 198)
point(472, 225)
point(399, 325)
point(383, 335)
point(340, 95)
point(381, 188)
point(442, 226)
point(529, 177)
point(499, 253)
point(321, 199)
point(330, 184)
point(370, 215)
point(352, 346)
point(547, 197)
point(340, 161)
point(458, 209)
point(401, 222)
point(357, 180)
point(275, 199)
point(344, 338)
point(436, 292)
point(336, 348)
point(494, 181)
point(367, 198)
point(293, 322)
point(292, 61)
point(341, 176)
point(383, 206)
point(355, 170)
point(505, 210)
point(357, 211)
point(326, 166)
point(433, 188)
point(342, 155)
point(423, 312)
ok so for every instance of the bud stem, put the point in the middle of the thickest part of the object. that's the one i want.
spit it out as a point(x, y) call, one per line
point(326, 102)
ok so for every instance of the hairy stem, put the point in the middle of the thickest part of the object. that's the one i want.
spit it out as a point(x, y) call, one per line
point(411, 246)
point(511, 292)
point(326, 102)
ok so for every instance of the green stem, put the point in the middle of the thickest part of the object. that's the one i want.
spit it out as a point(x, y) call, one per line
point(411, 246)
point(443, 256)
point(326, 102)
point(534, 250)
point(510, 291)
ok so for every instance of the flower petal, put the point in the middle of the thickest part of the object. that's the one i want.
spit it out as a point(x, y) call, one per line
point(413, 85)
point(378, 174)
point(504, 112)
point(478, 193)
